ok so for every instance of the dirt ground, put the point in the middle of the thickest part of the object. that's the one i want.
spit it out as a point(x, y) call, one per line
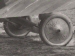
point(27, 47)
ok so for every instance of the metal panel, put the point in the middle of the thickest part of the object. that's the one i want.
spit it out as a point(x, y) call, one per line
point(30, 7)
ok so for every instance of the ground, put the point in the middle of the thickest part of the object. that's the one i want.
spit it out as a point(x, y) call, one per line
point(27, 47)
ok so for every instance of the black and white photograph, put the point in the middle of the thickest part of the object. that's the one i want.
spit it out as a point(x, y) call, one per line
point(37, 27)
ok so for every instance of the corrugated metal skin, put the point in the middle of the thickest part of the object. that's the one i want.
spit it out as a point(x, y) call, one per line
point(30, 7)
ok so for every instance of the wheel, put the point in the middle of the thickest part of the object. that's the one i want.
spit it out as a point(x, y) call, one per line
point(56, 30)
point(16, 31)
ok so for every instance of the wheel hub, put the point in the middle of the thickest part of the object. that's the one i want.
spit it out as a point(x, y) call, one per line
point(56, 30)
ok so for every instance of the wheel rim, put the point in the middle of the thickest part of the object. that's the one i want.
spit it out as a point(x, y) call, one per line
point(19, 30)
point(56, 31)
point(16, 31)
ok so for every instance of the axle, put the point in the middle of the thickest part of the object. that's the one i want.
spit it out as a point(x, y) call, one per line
point(21, 23)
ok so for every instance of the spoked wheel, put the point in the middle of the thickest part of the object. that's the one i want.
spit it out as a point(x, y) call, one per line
point(56, 30)
point(18, 30)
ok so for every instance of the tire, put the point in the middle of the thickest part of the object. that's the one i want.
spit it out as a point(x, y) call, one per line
point(56, 30)
point(13, 31)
